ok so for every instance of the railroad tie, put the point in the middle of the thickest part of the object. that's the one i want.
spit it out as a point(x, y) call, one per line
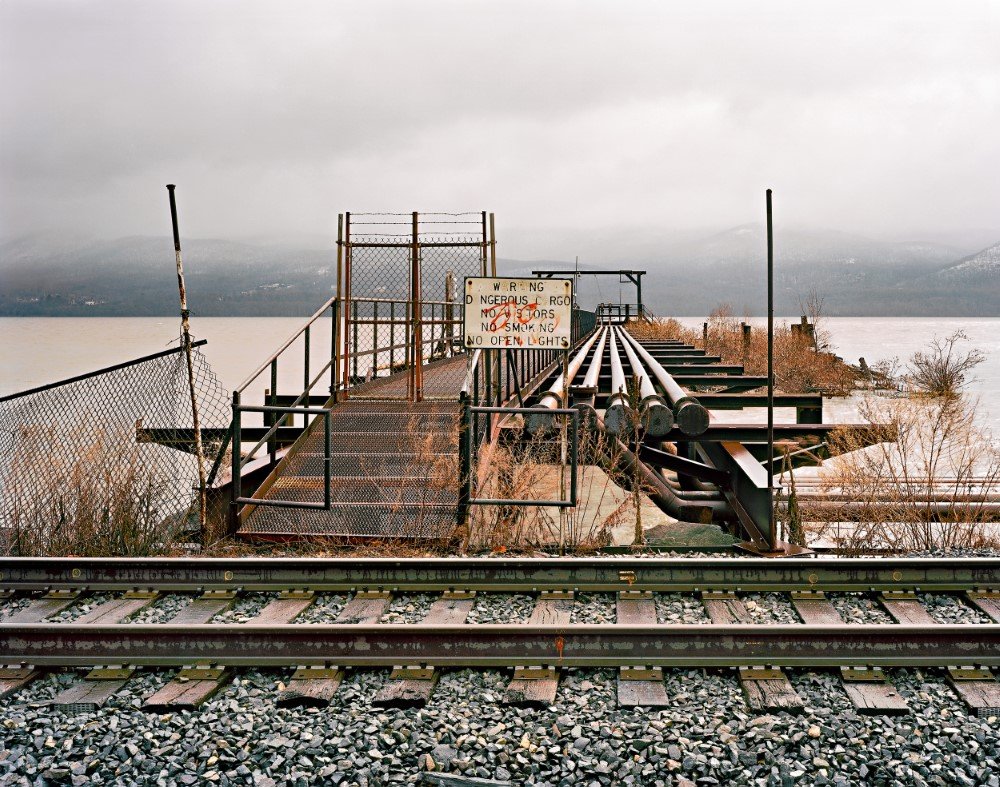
point(48, 605)
point(977, 688)
point(765, 689)
point(867, 687)
point(196, 684)
point(411, 686)
point(314, 685)
point(905, 608)
point(193, 685)
point(536, 685)
point(987, 602)
point(102, 683)
point(639, 686)
point(15, 676)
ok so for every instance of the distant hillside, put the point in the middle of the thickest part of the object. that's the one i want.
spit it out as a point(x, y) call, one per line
point(46, 276)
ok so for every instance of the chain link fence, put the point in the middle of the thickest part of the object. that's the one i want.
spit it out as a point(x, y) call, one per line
point(103, 463)
point(403, 300)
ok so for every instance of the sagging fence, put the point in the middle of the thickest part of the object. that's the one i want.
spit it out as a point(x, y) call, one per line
point(104, 463)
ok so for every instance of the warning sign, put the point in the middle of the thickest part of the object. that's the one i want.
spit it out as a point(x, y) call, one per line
point(519, 314)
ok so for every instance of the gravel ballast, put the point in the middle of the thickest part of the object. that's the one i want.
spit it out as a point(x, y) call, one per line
point(706, 737)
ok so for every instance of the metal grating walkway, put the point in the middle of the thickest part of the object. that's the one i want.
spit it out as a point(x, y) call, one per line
point(395, 467)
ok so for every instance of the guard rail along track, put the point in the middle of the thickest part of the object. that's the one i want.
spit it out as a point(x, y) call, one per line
point(637, 643)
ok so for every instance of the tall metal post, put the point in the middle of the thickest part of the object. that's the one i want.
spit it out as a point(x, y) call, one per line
point(493, 246)
point(345, 309)
point(416, 373)
point(772, 530)
point(337, 311)
point(186, 344)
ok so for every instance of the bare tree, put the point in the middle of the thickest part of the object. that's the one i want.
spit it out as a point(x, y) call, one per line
point(811, 305)
point(942, 369)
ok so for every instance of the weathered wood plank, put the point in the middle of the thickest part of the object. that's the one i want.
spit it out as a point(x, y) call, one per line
point(988, 603)
point(639, 687)
point(871, 693)
point(314, 687)
point(815, 608)
point(764, 689)
point(906, 608)
point(41, 608)
point(283, 609)
point(430, 779)
point(412, 688)
point(93, 692)
point(978, 689)
point(118, 609)
point(726, 608)
point(203, 609)
point(13, 678)
point(537, 686)
point(193, 686)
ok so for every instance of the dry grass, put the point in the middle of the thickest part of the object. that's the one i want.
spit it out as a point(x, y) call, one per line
point(521, 468)
point(927, 486)
point(106, 499)
point(798, 366)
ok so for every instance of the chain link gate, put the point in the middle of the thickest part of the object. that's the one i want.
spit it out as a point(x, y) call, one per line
point(398, 286)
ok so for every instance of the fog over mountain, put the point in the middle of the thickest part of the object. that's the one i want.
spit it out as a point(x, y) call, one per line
point(604, 129)
point(687, 276)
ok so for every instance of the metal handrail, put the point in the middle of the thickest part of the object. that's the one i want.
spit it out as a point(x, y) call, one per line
point(239, 463)
point(470, 373)
point(288, 343)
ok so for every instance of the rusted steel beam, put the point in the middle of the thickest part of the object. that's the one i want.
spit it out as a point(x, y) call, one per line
point(515, 574)
point(508, 645)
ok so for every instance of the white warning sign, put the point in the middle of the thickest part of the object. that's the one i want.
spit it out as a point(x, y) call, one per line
point(519, 314)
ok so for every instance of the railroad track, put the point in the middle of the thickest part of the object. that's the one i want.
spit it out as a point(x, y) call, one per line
point(552, 638)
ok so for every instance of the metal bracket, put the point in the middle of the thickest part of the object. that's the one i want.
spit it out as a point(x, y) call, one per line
point(969, 673)
point(296, 594)
point(640, 673)
point(201, 672)
point(110, 673)
point(15, 673)
point(455, 595)
point(862, 674)
point(372, 594)
point(142, 594)
point(808, 595)
point(62, 594)
point(635, 595)
point(760, 673)
point(534, 673)
point(317, 673)
point(412, 673)
point(557, 595)
point(217, 595)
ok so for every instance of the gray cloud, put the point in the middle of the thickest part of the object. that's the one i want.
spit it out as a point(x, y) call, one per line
point(608, 117)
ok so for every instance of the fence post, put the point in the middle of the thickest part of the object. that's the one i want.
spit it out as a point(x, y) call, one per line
point(235, 487)
point(465, 460)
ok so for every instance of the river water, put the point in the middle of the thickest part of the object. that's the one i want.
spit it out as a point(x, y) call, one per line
point(35, 351)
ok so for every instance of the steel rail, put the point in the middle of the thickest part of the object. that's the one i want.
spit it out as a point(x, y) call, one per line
point(510, 574)
point(501, 645)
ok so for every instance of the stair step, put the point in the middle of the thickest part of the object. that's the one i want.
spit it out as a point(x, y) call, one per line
point(400, 491)
point(362, 520)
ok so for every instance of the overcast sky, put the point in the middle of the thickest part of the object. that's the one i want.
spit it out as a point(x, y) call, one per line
point(880, 118)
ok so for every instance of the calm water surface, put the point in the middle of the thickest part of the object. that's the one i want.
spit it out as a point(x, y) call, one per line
point(35, 351)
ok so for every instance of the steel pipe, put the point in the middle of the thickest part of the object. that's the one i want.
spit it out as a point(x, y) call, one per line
point(656, 418)
point(553, 397)
point(690, 415)
point(619, 417)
